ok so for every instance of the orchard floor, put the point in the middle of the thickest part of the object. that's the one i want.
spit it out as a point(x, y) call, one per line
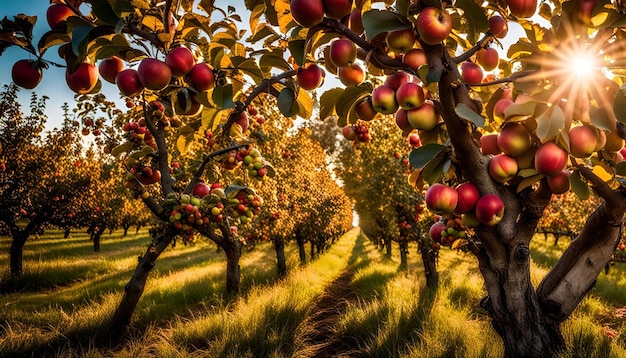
point(352, 301)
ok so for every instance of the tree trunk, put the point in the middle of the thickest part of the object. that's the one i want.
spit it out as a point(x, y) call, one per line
point(301, 250)
point(16, 253)
point(121, 318)
point(404, 250)
point(66, 234)
point(387, 242)
point(96, 235)
point(312, 251)
point(125, 230)
point(429, 260)
point(279, 246)
point(233, 271)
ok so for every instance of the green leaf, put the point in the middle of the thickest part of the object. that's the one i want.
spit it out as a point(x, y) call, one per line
point(122, 8)
point(104, 12)
point(619, 105)
point(433, 76)
point(475, 16)
point(578, 186)
point(435, 168)
point(550, 123)
point(328, 101)
point(421, 156)
point(297, 48)
point(185, 139)
point(272, 60)
point(211, 118)
point(80, 39)
point(287, 104)
point(376, 22)
point(122, 148)
point(528, 182)
point(52, 38)
point(223, 96)
point(465, 112)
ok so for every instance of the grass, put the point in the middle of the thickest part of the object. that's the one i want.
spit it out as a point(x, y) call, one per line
point(71, 290)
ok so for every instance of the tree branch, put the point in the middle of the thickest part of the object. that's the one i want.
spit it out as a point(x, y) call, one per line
point(163, 155)
point(206, 161)
point(469, 53)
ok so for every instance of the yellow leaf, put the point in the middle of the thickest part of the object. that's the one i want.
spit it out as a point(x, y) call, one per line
point(601, 173)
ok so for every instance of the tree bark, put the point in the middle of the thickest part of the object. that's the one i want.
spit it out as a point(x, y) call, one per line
point(404, 250)
point(281, 264)
point(301, 249)
point(312, 250)
point(66, 234)
point(232, 249)
point(125, 227)
point(387, 243)
point(95, 236)
point(121, 318)
point(429, 260)
point(16, 253)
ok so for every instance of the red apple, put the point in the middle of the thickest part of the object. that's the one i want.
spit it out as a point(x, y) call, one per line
point(400, 41)
point(410, 96)
point(128, 82)
point(84, 79)
point(307, 13)
point(471, 73)
point(441, 199)
point(365, 110)
point(56, 15)
point(242, 120)
point(349, 132)
point(583, 141)
point(424, 117)
point(110, 67)
point(337, 9)
point(550, 160)
point(500, 107)
point(26, 73)
point(201, 190)
point(397, 79)
point(402, 120)
point(414, 140)
point(503, 168)
point(559, 184)
point(310, 76)
point(489, 144)
point(352, 75)
point(415, 58)
point(201, 77)
point(514, 139)
point(180, 60)
point(435, 231)
point(433, 25)
point(154, 74)
point(488, 58)
point(355, 22)
point(342, 52)
point(522, 8)
point(498, 26)
point(468, 197)
point(489, 209)
point(384, 100)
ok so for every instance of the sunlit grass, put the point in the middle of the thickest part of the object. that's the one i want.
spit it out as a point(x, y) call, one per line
point(184, 312)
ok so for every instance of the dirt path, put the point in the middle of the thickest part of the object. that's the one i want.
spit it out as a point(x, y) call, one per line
point(317, 337)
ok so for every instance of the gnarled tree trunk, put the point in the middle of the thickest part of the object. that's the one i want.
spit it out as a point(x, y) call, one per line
point(429, 260)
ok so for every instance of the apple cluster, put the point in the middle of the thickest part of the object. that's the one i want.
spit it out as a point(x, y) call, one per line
point(244, 206)
point(254, 163)
point(402, 94)
point(145, 174)
point(447, 229)
point(357, 132)
point(465, 200)
point(138, 133)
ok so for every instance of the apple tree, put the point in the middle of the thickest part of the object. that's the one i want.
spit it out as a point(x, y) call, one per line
point(41, 173)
